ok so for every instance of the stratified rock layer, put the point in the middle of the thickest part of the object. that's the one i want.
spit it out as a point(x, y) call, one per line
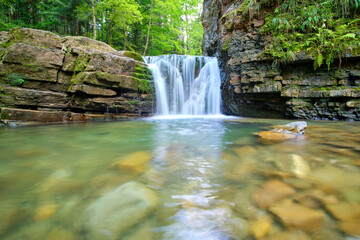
point(44, 77)
point(254, 86)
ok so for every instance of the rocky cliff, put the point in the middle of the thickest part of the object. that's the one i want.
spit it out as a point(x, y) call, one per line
point(45, 77)
point(253, 86)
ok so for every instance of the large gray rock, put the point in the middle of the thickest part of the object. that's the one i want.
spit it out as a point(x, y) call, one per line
point(110, 215)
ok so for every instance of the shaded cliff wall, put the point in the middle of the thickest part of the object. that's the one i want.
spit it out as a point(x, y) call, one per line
point(253, 86)
point(44, 77)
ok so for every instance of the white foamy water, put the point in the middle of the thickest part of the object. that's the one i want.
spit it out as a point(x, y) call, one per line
point(186, 85)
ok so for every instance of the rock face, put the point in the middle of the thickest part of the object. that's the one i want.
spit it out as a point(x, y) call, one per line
point(109, 216)
point(252, 86)
point(75, 77)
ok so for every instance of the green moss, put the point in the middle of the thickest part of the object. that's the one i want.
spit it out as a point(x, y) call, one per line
point(144, 85)
point(81, 63)
point(133, 55)
point(76, 79)
point(225, 47)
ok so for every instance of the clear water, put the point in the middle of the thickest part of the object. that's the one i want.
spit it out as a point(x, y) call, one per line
point(186, 85)
point(204, 171)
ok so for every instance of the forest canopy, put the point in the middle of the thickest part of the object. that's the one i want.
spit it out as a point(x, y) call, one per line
point(149, 27)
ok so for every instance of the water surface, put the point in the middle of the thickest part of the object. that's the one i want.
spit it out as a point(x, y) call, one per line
point(205, 173)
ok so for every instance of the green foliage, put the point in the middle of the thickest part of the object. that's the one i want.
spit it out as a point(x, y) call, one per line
point(175, 25)
point(15, 79)
point(323, 29)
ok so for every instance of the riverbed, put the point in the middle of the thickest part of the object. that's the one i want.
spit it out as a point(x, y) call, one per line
point(199, 178)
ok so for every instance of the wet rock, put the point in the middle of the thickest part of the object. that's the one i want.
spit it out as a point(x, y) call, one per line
point(293, 235)
point(45, 212)
point(271, 192)
point(351, 227)
point(307, 201)
point(109, 216)
point(344, 210)
point(134, 162)
point(276, 136)
point(295, 215)
point(261, 227)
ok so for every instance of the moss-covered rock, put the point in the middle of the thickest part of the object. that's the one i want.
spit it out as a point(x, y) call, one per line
point(132, 55)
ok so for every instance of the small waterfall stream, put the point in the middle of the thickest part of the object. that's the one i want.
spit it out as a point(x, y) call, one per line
point(186, 85)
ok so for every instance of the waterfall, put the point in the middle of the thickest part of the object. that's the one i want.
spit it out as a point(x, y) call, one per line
point(186, 85)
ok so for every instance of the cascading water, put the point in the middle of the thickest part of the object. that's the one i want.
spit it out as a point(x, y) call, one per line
point(186, 85)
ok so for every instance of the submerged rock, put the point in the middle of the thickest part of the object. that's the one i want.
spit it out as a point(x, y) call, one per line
point(351, 227)
point(109, 216)
point(344, 210)
point(272, 192)
point(292, 235)
point(295, 215)
point(261, 227)
point(133, 162)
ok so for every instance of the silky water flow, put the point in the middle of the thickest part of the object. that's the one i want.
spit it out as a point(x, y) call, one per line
point(186, 85)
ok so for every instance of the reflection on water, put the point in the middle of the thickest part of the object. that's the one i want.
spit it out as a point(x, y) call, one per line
point(179, 179)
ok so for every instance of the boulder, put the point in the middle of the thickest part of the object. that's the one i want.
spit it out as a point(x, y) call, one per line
point(109, 216)
point(293, 215)
point(271, 192)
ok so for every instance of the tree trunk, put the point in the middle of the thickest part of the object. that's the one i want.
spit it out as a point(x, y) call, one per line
point(148, 33)
point(93, 17)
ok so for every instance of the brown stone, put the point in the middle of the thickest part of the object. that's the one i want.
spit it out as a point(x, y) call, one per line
point(344, 210)
point(92, 90)
point(271, 192)
point(33, 115)
point(351, 227)
point(24, 54)
point(234, 79)
point(35, 37)
point(134, 162)
point(293, 235)
point(16, 96)
point(261, 227)
point(295, 215)
point(31, 72)
point(276, 136)
point(85, 43)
